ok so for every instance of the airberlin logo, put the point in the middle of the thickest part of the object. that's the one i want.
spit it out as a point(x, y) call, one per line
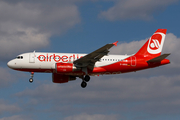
point(58, 58)
point(155, 43)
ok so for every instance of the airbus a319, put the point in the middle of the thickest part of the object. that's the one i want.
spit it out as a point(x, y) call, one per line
point(69, 66)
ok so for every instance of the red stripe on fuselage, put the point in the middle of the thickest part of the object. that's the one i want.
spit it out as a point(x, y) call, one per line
point(118, 67)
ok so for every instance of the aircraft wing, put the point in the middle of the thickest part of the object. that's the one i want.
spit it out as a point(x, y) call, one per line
point(90, 59)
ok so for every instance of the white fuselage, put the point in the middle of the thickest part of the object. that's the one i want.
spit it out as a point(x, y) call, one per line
point(47, 61)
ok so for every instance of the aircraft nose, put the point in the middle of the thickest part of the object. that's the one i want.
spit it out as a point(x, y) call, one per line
point(10, 64)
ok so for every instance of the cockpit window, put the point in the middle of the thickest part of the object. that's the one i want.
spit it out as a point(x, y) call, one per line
point(19, 57)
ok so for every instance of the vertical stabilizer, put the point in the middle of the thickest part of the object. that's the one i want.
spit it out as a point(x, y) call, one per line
point(153, 47)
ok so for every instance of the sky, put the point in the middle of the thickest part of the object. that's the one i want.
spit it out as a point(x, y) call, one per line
point(82, 26)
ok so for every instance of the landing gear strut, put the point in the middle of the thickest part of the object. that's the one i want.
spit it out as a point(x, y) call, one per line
point(31, 79)
point(85, 80)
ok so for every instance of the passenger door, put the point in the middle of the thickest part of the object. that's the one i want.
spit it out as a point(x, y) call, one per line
point(32, 57)
point(133, 61)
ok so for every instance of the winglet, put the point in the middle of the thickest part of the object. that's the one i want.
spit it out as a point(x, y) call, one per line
point(115, 43)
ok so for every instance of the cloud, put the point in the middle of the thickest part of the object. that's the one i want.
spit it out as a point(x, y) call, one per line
point(135, 9)
point(6, 77)
point(26, 26)
point(16, 117)
point(19, 39)
point(116, 93)
point(127, 48)
point(7, 108)
point(91, 117)
point(171, 45)
point(57, 16)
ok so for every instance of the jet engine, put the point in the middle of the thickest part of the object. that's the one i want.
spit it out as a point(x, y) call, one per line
point(58, 78)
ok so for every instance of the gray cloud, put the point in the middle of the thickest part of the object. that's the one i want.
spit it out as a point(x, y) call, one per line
point(16, 117)
point(84, 116)
point(171, 45)
point(135, 9)
point(155, 95)
point(25, 26)
point(19, 39)
point(6, 77)
point(7, 108)
point(127, 48)
point(46, 17)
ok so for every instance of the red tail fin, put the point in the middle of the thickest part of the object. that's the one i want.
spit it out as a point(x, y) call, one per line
point(153, 47)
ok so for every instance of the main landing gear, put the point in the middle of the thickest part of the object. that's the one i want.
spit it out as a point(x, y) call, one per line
point(31, 79)
point(85, 80)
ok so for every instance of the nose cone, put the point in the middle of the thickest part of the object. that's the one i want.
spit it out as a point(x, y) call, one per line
point(10, 64)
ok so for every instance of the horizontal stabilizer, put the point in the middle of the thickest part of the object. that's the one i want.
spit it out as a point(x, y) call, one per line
point(159, 58)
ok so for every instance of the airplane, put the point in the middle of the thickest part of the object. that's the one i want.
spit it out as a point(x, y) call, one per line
point(67, 67)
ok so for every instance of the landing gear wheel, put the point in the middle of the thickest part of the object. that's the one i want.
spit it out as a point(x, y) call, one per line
point(83, 84)
point(30, 80)
point(87, 78)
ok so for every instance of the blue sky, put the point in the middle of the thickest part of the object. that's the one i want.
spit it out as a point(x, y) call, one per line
point(82, 27)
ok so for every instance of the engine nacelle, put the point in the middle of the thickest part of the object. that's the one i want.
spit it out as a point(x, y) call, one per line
point(65, 67)
point(58, 78)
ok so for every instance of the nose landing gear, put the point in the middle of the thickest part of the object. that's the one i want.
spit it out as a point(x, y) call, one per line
point(31, 79)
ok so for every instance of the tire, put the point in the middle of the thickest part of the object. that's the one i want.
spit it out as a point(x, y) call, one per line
point(30, 80)
point(83, 84)
point(87, 78)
